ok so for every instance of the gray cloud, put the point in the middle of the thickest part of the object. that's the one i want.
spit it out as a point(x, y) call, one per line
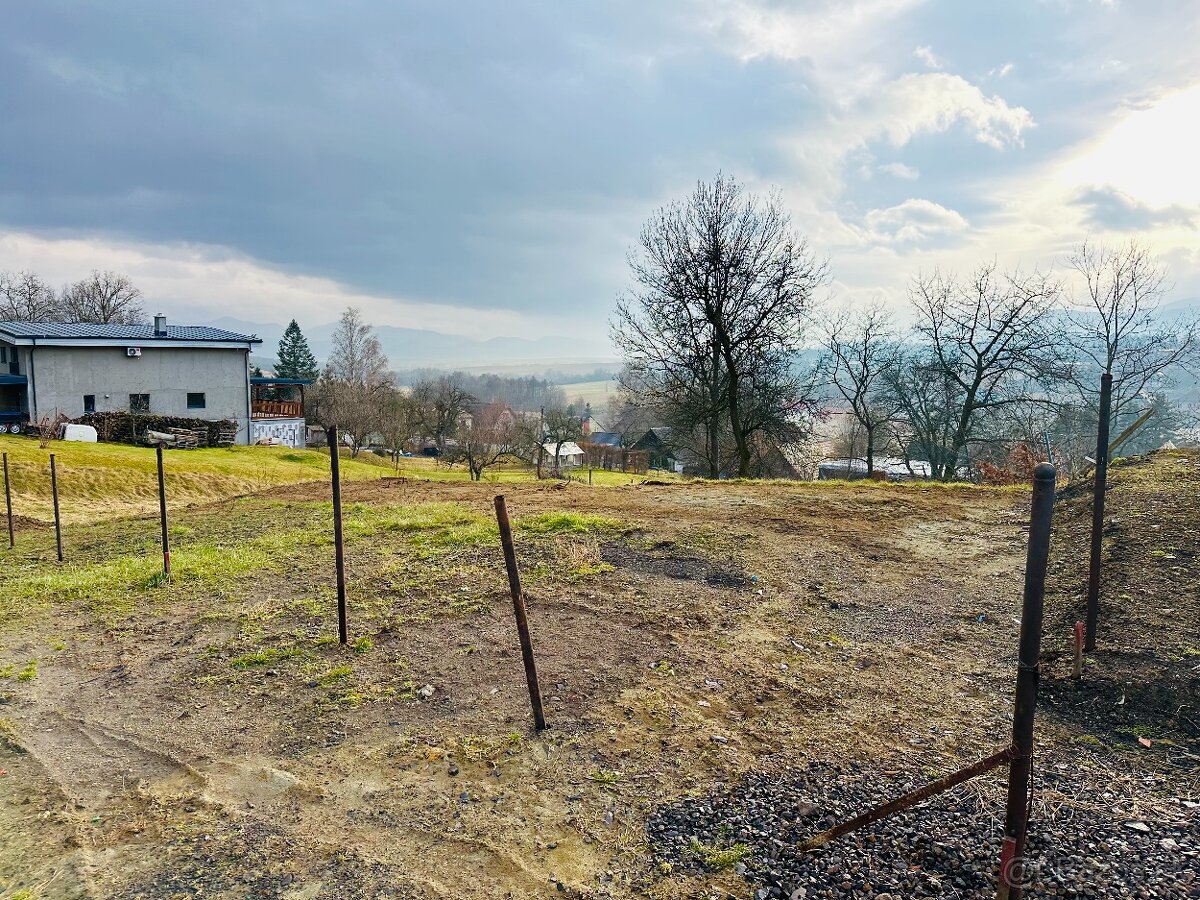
point(1112, 210)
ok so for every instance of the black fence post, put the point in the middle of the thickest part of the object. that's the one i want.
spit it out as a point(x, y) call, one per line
point(338, 551)
point(1101, 482)
point(1016, 820)
point(57, 518)
point(8, 503)
point(162, 511)
point(518, 598)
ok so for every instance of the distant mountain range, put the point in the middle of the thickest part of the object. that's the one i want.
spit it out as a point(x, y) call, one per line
point(409, 348)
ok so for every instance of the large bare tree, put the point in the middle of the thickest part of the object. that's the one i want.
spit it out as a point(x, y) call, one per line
point(24, 297)
point(105, 298)
point(438, 405)
point(860, 353)
point(723, 285)
point(1116, 326)
point(356, 382)
point(489, 435)
point(990, 338)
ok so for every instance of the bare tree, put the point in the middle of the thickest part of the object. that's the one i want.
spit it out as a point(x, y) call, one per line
point(356, 354)
point(1116, 327)
point(491, 434)
point(991, 338)
point(723, 283)
point(398, 423)
point(24, 297)
point(355, 383)
point(927, 399)
point(105, 298)
point(558, 428)
point(860, 352)
point(438, 406)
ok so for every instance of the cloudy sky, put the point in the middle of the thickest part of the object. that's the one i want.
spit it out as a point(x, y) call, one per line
point(482, 168)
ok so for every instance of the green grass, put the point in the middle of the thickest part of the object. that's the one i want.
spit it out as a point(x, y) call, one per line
point(265, 657)
point(606, 777)
point(564, 522)
point(105, 481)
point(115, 585)
point(719, 859)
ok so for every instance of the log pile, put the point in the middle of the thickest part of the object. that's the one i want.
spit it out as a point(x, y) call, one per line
point(126, 428)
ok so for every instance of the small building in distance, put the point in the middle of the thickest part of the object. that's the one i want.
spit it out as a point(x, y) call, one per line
point(570, 454)
point(889, 468)
point(74, 368)
point(277, 411)
point(656, 444)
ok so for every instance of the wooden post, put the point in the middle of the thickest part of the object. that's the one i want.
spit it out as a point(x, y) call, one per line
point(518, 598)
point(162, 511)
point(8, 503)
point(57, 518)
point(1016, 820)
point(1101, 482)
point(338, 551)
point(541, 440)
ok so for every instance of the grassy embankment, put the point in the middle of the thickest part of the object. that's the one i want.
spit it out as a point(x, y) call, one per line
point(106, 481)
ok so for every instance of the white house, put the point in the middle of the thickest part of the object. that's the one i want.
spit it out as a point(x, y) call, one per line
point(570, 454)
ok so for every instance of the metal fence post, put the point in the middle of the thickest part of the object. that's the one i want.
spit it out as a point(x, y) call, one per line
point(338, 551)
point(1016, 820)
point(518, 598)
point(162, 511)
point(1101, 482)
point(8, 503)
point(57, 518)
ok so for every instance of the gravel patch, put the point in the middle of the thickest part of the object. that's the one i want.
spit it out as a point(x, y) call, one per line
point(1086, 839)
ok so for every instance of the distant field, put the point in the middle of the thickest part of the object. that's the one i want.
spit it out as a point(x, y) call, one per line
point(596, 393)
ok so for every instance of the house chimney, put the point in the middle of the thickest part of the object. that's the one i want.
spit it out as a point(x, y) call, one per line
point(160, 325)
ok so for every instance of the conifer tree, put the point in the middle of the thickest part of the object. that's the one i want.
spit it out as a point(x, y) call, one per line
point(295, 360)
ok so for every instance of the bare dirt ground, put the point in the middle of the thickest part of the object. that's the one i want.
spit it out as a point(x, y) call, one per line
point(207, 738)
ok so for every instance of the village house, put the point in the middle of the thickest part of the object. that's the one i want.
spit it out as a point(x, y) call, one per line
point(195, 372)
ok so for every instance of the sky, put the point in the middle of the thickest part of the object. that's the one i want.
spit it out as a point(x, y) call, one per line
point(482, 169)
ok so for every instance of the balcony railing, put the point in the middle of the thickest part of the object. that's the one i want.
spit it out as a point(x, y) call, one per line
point(276, 409)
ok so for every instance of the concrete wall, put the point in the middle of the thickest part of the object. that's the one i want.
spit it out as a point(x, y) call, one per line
point(59, 377)
point(290, 432)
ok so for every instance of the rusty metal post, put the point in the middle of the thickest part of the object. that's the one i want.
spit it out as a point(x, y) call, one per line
point(57, 518)
point(338, 549)
point(1077, 668)
point(1016, 820)
point(8, 504)
point(518, 598)
point(912, 798)
point(1101, 482)
point(162, 511)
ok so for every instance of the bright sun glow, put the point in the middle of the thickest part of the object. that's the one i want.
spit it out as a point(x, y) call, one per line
point(1150, 155)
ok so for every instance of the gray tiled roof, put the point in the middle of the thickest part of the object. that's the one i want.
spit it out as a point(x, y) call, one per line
point(85, 331)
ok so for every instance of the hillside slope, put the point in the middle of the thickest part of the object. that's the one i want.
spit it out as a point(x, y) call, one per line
point(1144, 679)
point(104, 481)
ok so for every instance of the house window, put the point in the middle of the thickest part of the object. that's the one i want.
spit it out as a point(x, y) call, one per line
point(3, 354)
point(139, 403)
point(195, 401)
point(89, 403)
